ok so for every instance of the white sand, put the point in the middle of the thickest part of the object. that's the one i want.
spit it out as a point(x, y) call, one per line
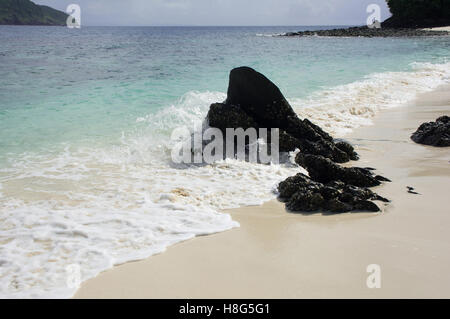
point(276, 254)
point(438, 29)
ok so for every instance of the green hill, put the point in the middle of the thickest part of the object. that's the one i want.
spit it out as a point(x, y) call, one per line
point(25, 12)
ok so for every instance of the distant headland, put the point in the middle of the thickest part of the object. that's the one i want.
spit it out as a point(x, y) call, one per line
point(409, 18)
point(25, 12)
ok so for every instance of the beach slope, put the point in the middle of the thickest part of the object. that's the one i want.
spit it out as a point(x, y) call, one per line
point(276, 254)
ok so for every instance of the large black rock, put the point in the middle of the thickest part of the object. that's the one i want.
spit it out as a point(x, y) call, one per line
point(261, 99)
point(254, 101)
point(434, 133)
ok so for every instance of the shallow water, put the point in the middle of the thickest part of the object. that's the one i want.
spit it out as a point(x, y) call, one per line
point(86, 117)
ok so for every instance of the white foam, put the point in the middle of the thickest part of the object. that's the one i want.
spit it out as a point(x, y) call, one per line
point(101, 207)
point(269, 34)
point(341, 109)
point(112, 215)
point(98, 207)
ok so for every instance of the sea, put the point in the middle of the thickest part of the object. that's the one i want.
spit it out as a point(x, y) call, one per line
point(87, 115)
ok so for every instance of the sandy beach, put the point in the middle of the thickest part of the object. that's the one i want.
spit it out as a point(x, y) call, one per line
point(438, 29)
point(276, 254)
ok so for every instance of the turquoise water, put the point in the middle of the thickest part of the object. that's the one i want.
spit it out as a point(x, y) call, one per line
point(86, 177)
point(89, 85)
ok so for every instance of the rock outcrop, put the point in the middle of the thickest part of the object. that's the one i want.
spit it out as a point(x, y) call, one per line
point(303, 194)
point(330, 187)
point(407, 20)
point(368, 32)
point(253, 101)
point(434, 133)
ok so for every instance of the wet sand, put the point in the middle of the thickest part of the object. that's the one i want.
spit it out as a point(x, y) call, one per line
point(439, 29)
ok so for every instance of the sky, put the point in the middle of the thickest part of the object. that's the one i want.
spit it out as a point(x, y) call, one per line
point(220, 12)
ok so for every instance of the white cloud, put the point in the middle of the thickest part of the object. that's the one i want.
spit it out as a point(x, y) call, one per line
point(221, 12)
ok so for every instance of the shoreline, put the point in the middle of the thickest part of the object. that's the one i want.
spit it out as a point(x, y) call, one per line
point(276, 254)
point(365, 31)
point(447, 29)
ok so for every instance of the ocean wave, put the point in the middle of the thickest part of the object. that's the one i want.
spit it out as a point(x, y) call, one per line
point(341, 109)
point(94, 209)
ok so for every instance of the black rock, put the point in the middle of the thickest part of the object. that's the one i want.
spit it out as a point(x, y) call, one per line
point(259, 98)
point(323, 170)
point(348, 149)
point(222, 116)
point(254, 101)
point(330, 187)
point(306, 195)
point(287, 142)
point(262, 100)
point(434, 133)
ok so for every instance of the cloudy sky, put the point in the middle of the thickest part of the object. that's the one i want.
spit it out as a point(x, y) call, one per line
point(221, 12)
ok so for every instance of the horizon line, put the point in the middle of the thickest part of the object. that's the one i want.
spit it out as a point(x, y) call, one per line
point(195, 26)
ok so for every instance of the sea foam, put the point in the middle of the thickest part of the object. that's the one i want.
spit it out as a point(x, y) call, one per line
point(341, 109)
point(95, 208)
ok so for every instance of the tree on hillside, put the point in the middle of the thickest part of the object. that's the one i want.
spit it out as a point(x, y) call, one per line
point(418, 13)
point(28, 13)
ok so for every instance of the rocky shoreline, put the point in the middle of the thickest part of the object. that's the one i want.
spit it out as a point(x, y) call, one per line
point(368, 32)
point(253, 101)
